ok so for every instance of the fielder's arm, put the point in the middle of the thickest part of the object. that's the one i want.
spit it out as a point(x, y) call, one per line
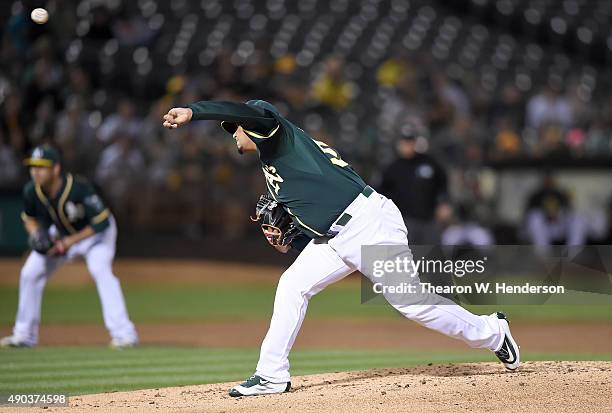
point(38, 236)
point(28, 216)
point(30, 224)
point(62, 245)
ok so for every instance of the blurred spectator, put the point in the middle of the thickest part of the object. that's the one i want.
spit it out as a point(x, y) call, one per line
point(82, 80)
point(507, 141)
point(73, 126)
point(607, 240)
point(575, 140)
point(549, 106)
point(461, 143)
point(75, 135)
point(42, 83)
point(13, 122)
point(417, 184)
point(401, 100)
point(43, 123)
point(598, 142)
point(119, 171)
point(331, 89)
point(10, 166)
point(192, 181)
point(124, 120)
point(100, 24)
point(79, 84)
point(392, 72)
point(465, 230)
point(133, 31)
point(440, 114)
point(508, 105)
point(551, 142)
point(550, 218)
point(451, 93)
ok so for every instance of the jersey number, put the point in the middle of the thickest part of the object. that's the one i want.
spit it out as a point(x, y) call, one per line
point(335, 158)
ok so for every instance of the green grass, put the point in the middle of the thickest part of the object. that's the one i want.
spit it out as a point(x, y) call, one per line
point(196, 303)
point(79, 370)
point(188, 303)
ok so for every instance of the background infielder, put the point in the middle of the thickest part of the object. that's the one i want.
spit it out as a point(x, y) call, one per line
point(65, 218)
point(334, 207)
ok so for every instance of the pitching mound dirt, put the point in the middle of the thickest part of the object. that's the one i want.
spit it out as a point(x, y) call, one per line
point(483, 387)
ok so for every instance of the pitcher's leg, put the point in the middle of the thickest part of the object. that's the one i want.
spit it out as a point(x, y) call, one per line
point(450, 319)
point(34, 274)
point(314, 269)
point(99, 263)
point(430, 310)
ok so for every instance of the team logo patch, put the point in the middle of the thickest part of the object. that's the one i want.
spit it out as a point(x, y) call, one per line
point(73, 211)
point(272, 178)
point(38, 153)
point(425, 171)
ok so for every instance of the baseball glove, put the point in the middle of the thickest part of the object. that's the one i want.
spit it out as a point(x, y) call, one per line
point(276, 223)
point(40, 241)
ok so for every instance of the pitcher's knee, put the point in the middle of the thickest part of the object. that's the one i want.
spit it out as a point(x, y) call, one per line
point(285, 284)
point(101, 274)
point(290, 284)
point(30, 274)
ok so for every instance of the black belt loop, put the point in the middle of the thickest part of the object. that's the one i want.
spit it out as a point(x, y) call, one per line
point(344, 218)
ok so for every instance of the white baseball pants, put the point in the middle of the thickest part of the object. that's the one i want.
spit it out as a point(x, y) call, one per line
point(375, 221)
point(98, 251)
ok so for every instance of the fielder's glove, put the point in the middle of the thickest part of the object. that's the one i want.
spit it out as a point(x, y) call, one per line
point(276, 223)
point(40, 241)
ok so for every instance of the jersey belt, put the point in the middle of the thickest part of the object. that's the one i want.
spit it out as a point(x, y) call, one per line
point(343, 219)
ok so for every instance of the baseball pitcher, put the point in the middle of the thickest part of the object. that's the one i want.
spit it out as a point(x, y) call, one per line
point(65, 218)
point(336, 213)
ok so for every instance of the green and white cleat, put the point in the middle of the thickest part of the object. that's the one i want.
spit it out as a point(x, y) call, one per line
point(256, 385)
point(14, 342)
point(121, 344)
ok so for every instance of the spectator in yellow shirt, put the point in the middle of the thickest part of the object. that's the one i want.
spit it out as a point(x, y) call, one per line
point(331, 89)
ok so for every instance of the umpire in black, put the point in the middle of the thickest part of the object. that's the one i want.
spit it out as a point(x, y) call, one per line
point(417, 185)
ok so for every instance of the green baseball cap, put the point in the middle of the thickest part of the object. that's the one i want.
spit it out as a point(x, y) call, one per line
point(43, 155)
point(259, 105)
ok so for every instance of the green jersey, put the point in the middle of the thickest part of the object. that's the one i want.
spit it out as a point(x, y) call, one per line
point(306, 176)
point(75, 206)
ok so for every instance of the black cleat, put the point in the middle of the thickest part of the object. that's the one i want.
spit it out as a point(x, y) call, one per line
point(509, 352)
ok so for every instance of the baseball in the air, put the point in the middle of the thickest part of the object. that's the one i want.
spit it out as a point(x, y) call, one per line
point(40, 16)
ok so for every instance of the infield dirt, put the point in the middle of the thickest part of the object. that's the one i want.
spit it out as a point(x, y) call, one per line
point(482, 387)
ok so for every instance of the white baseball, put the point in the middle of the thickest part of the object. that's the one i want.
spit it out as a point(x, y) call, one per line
point(40, 16)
